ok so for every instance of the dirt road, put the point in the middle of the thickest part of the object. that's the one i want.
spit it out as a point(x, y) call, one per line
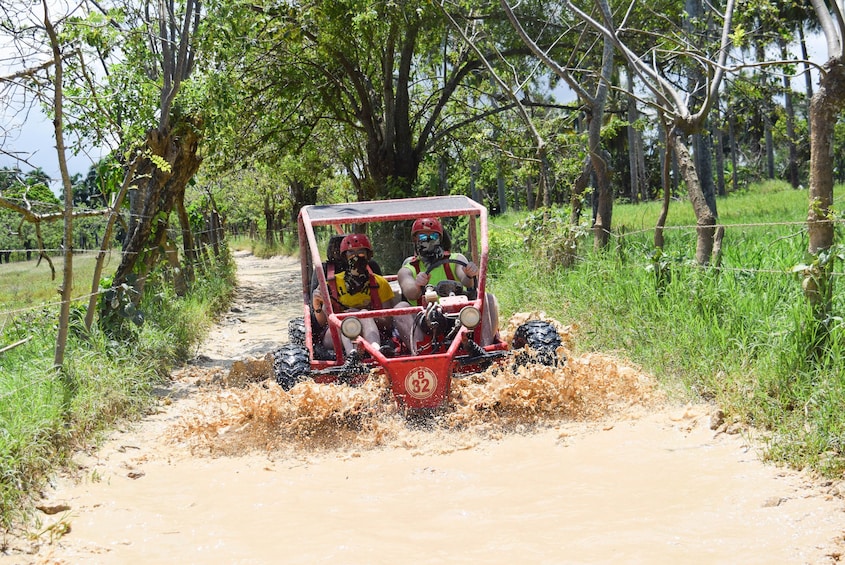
point(591, 465)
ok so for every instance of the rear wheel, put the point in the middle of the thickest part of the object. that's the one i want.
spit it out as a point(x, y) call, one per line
point(296, 331)
point(540, 337)
point(291, 364)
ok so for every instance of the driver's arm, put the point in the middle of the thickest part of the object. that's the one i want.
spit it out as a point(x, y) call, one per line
point(465, 274)
point(408, 283)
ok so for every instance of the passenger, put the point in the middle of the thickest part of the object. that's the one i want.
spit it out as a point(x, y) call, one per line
point(335, 261)
point(356, 288)
point(428, 237)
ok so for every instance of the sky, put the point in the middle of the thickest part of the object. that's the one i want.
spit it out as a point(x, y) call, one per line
point(35, 138)
point(29, 131)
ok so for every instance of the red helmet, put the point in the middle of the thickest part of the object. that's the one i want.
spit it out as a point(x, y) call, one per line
point(432, 224)
point(355, 241)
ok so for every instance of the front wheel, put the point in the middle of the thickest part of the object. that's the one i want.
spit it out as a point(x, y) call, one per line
point(291, 364)
point(542, 338)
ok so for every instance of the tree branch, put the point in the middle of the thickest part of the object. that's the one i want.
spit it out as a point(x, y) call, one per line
point(833, 32)
point(543, 56)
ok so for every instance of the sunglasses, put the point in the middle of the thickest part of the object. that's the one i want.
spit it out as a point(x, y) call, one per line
point(359, 252)
point(423, 237)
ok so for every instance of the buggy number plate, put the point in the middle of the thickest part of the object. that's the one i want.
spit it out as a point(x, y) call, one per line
point(421, 382)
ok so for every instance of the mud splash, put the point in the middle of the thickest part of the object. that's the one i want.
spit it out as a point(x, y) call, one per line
point(230, 420)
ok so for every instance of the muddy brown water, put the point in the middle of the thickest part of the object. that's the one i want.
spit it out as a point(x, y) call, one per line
point(586, 464)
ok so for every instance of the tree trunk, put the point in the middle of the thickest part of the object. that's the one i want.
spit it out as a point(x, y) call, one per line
point(734, 152)
point(474, 193)
point(173, 197)
point(808, 77)
point(66, 290)
point(718, 134)
point(604, 210)
point(577, 198)
point(792, 166)
point(216, 229)
point(636, 155)
point(531, 202)
point(269, 221)
point(171, 253)
point(703, 158)
point(666, 180)
point(705, 218)
point(825, 108)
point(545, 187)
point(177, 146)
point(701, 143)
point(643, 183)
point(502, 193)
point(188, 243)
point(770, 146)
point(105, 244)
point(599, 159)
point(633, 154)
point(720, 161)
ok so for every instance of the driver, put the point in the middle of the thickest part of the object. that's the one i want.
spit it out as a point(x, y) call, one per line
point(428, 237)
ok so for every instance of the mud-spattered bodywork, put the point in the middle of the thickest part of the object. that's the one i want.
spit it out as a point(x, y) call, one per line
point(419, 378)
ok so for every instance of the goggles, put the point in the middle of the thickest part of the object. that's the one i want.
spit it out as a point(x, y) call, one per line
point(359, 252)
point(423, 237)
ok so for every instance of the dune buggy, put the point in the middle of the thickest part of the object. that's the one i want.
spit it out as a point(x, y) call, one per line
point(420, 375)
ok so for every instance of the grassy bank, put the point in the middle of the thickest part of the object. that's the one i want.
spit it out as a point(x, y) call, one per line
point(45, 413)
point(737, 335)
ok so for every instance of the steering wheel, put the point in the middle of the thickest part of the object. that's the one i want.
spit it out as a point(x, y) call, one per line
point(447, 287)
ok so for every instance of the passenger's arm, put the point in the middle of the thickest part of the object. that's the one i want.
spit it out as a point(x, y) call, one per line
point(319, 307)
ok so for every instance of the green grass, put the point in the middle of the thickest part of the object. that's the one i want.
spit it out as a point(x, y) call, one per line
point(261, 249)
point(738, 335)
point(30, 283)
point(45, 413)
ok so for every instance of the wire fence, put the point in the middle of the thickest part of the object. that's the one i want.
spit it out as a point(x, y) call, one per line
point(636, 256)
point(618, 237)
point(4, 314)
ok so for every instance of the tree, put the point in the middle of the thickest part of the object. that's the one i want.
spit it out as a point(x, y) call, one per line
point(123, 73)
point(511, 93)
point(28, 214)
point(594, 103)
point(826, 106)
point(672, 103)
point(161, 45)
point(392, 79)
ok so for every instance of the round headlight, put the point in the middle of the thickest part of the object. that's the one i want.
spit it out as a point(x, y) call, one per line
point(351, 327)
point(470, 317)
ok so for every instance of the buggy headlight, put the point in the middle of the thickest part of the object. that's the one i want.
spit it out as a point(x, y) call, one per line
point(470, 317)
point(351, 327)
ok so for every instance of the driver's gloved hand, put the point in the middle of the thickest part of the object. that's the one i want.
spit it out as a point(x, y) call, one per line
point(471, 269)
point(422, 279)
